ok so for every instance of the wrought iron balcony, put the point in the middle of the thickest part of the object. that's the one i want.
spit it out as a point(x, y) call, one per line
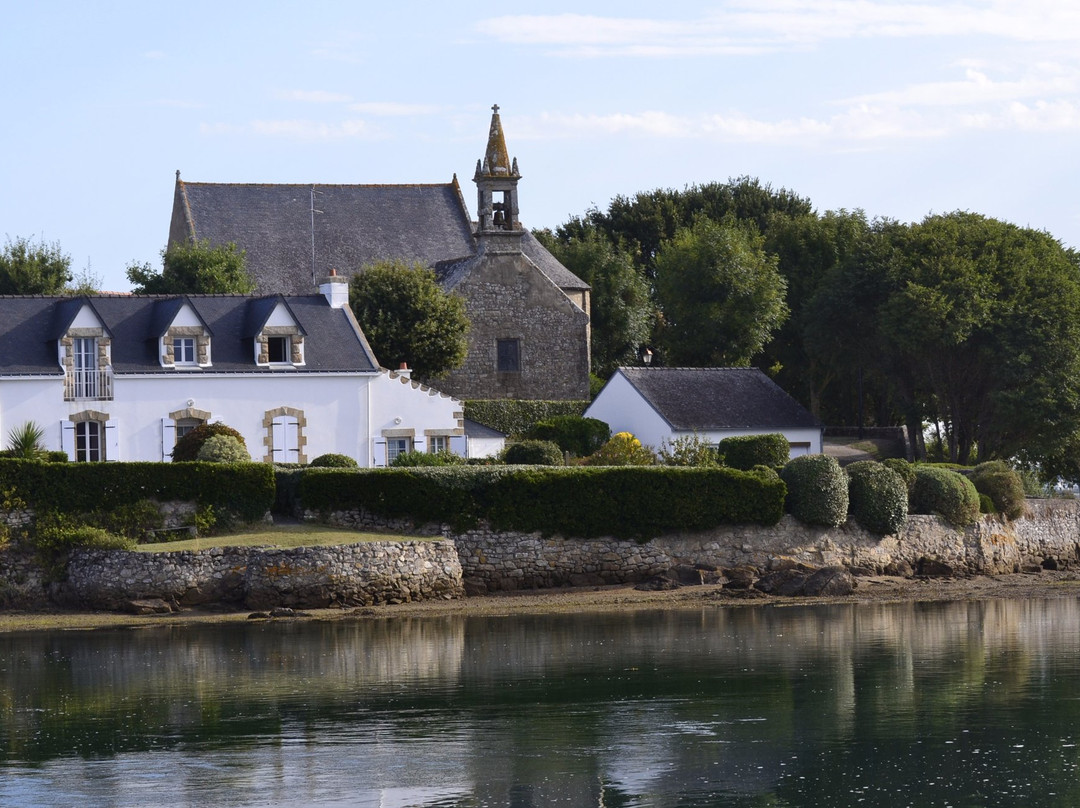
point(88, 385)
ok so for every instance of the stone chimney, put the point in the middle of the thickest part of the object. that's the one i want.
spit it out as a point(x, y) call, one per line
point(335, 289)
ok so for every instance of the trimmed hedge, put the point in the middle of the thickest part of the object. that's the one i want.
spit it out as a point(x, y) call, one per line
point(877, 497)
point(415, 458)
point(533, 453)
point(944, 492)
point(187, 448)
point(624, 502)
point(334, 461)
point(1002, 486)
point(746, 451)
point(817, 490)
point(245, 490)
point(518, 417)
point(574, 434)
point(905, 469)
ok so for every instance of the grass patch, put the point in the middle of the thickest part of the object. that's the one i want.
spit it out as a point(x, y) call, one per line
point(279, 536)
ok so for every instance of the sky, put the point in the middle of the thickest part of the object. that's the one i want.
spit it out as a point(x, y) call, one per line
point(899, 108)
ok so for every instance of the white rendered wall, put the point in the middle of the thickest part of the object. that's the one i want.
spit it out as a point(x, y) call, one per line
point(621, 407)
point(400, 404)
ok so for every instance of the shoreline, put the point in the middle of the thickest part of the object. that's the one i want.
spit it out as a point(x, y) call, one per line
point(871, 590)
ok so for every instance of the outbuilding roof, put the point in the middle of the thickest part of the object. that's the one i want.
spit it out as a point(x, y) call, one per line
point(702, 399)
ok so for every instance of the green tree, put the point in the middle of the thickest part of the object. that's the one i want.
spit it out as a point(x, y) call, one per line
point(408, 317)
point(33, 268)
point(194, 269)
point(720, 295)
point(622, 311)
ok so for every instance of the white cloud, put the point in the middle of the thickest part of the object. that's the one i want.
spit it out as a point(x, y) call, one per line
point(313, 96)
point(392, 109)
point(976, 88)
point(757, 25)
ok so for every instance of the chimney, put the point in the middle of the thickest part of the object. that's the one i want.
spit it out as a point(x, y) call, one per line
point(403, 370)
point(335, 289)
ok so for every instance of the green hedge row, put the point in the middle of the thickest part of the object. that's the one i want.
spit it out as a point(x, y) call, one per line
point(625, 502)
point(518, 417)
point(244, 489)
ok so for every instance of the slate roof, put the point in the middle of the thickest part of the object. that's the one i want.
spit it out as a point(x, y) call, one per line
point(28, 334)
point(704, 399)
point(355, 225)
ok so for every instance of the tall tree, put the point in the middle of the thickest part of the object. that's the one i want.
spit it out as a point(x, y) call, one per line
point(408, 317)
point(720, 295)
point(33, 268)
point(194, 269)
point(622, 311)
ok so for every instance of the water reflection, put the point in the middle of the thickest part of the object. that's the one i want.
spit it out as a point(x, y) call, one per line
point(967, 704)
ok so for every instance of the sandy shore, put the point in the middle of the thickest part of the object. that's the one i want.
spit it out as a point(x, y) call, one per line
point(609, 598)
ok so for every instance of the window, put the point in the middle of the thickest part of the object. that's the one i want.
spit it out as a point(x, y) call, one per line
point(437, 443)
point(509, 355)
point(185, 425)
point(184, 350)
point(88, 445)
point(395, 447)
point(277, 349)
point(84, 351)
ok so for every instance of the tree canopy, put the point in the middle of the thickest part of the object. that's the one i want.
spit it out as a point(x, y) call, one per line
point(408, 317)
point(194, 269)
point(33, 268)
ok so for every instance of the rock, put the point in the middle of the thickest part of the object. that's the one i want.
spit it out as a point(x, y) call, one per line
point(862, 572)
point(658, 583)
point(899, 569)
point(259, 616)
point(282, 611)
point(830, 582)
point(145, 606)
point(788, 582)
point(932, 568)
point(1050, 564)
point(740, 577)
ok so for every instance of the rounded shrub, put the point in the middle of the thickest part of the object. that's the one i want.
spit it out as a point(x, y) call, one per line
point(574, 434)
point(533, 453)
point(877, 497)
point(622, 450)
point(187, 448)
point(903, 468)
point(688, 450)
point(746, 451)
point(414, 458)
point(223, 449)
point(334, 461)
point(1002, 486)
point(817, 490)
point(944, 492)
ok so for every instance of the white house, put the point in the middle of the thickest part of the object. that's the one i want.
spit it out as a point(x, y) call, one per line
point(121, 377)
point(662, 404)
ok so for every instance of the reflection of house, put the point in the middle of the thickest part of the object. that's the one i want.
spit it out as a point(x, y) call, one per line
point(122, 377)
point(662, 404)
point(530, 315)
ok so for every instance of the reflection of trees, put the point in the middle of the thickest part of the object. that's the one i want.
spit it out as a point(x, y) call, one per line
point(769, 706)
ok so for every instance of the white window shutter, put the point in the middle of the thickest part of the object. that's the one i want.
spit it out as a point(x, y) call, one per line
point(380, 453)
point(277, 440)
point(168, 438)
point(459, 445)
point(67, 438)
point(112, 441)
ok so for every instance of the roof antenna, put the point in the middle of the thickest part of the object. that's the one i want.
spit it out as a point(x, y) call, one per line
point(314, 210)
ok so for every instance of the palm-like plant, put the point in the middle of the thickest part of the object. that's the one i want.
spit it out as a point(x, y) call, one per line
point(25, 441)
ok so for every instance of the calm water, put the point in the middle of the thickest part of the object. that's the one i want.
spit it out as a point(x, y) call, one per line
point(901, 705)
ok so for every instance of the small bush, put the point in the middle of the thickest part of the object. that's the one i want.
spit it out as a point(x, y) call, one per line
point(533, 453)
point(944, 492)
point(223, 449)
point(334, 461)
point(1002, 485)
point(574, 434)
point(622, 450)
point(903, 468)
point(877, 497)
point(817, 490)
point(689, 450)
point(54, 534)
point(133, 520)
point(412, 459)
point(55, 456)
point(986, 505)
point(187, 448)
point(746, 451)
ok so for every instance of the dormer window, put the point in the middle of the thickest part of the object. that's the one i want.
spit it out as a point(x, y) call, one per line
point(184, 350)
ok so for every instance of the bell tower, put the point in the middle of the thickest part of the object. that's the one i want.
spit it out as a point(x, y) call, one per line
point(496, 181)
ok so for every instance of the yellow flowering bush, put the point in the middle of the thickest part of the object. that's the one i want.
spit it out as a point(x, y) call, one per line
point(622, 450)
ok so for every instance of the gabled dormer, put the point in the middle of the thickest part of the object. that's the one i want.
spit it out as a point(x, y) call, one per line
point(83, 350)
point(183, 337)
point(276, 332)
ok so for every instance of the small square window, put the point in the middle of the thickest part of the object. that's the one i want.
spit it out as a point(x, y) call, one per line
point(395, 447)
point(508, 355)
point(437, 443)
point(278, 349)
point(184, 350)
